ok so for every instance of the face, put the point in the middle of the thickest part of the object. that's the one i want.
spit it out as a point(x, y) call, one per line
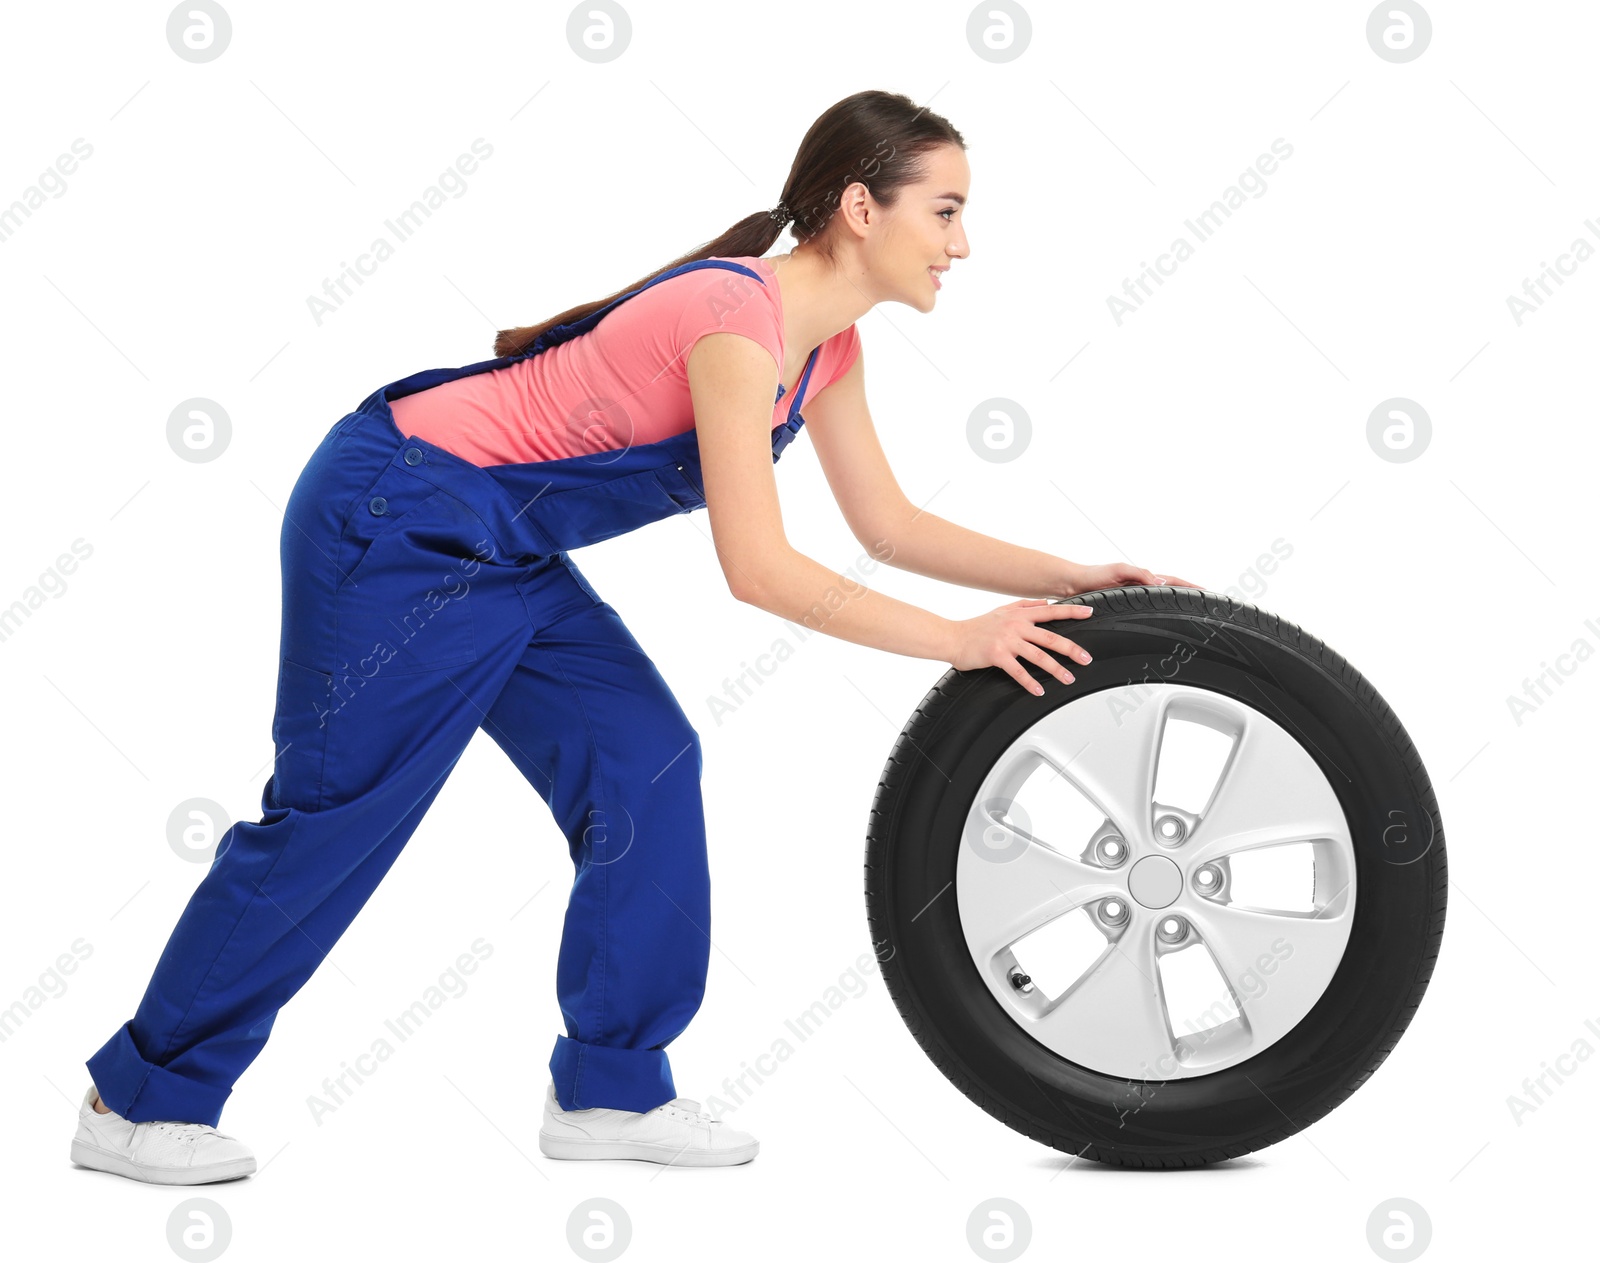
point(913, 242)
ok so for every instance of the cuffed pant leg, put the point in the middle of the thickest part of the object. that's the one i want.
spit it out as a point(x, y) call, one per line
point(590, 1075)
point(591, 723)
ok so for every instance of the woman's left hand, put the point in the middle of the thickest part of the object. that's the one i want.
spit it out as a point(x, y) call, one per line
point(1117, 574)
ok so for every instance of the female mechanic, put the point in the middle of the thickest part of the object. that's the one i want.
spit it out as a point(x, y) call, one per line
point(428, 593)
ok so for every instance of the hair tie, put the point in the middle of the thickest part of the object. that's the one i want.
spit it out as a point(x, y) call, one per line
point(781, 213)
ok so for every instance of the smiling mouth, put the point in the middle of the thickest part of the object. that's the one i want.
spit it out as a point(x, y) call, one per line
point(935, 273)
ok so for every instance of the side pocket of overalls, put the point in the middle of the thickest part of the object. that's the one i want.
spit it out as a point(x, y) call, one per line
point(394, 494)
point(404, 607)
point(300, 735)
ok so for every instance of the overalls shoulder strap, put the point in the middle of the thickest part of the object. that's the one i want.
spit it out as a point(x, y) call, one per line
point(562, 333)
point(784, 434)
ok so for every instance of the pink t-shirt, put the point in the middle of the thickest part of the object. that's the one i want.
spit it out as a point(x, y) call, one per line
point(623, 383)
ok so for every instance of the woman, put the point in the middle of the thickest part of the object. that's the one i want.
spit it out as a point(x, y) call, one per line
point(428, 592)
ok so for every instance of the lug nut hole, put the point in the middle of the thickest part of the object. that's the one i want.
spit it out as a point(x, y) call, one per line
point(1170, 829)
point(1172, 929)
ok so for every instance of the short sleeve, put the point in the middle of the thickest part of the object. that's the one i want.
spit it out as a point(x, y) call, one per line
point(719, 300)
point(846, 351)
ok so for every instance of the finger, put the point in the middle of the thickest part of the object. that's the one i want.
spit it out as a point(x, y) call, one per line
point(1064, 611)
point(1040, 658)
point(1011, 668)
point(1062, 645)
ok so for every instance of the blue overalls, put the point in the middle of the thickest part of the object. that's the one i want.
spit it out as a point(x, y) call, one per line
point(425, 597)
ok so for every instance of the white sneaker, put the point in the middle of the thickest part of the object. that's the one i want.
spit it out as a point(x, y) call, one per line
point(678, 1133)
point(157, 1153)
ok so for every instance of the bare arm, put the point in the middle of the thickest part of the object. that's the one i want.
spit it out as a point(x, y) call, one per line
point(927, 544)
point(884, 519)
point(732, 381)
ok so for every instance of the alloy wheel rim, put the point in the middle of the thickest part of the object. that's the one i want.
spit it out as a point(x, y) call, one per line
point(1155, 879)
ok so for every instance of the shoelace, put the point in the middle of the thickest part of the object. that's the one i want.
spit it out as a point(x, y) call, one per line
point(683, 1105)
point(694, 1110)
point(186, 1133)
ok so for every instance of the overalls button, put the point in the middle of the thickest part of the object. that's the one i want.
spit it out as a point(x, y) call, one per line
point(413, 455)
point(379, 506)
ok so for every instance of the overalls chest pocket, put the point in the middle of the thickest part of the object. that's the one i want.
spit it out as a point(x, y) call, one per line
point(683, 482)
point(586, 514)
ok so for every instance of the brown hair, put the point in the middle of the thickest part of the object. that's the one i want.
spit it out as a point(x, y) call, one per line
point(876, 138)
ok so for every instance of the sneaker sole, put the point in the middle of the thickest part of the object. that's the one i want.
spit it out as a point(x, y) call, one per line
point(643, 1151)
point(97, 1159)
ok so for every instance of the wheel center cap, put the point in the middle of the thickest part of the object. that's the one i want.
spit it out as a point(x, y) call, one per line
point(1155, 881)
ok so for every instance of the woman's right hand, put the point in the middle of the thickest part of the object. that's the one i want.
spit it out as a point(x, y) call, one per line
point(1002, 636)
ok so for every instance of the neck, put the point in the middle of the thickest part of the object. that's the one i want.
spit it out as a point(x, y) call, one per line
point(820, 299)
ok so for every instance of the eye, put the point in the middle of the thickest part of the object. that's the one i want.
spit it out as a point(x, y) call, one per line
point(951, 210)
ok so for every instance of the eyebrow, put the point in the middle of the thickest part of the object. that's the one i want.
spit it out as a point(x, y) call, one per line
point(954, 197)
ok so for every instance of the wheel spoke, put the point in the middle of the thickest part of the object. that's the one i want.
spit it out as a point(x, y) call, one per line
point(1114, 1018)
point(1270, 791)
point(1001, 901)
point(1275, 963)
point(1107, 749)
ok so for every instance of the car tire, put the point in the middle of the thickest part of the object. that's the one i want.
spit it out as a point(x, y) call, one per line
point(1239, 659)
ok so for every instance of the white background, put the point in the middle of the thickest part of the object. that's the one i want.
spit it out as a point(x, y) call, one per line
point(1229, 412)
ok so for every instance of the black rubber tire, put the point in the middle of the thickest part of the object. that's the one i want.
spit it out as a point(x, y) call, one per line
point(1135, 635)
